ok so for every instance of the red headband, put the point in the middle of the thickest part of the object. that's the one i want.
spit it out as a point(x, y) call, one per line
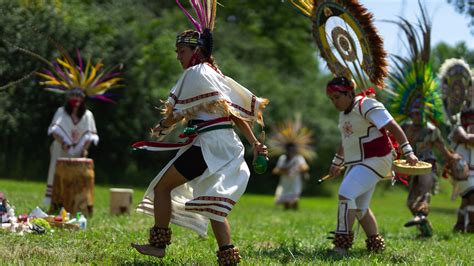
point(339, 88)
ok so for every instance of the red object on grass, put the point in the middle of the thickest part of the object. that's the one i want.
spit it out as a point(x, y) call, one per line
point(23, 218)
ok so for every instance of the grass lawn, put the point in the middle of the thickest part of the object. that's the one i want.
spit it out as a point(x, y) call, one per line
point(265, 234)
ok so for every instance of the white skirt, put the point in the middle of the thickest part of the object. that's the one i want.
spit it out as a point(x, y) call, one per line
point(289, 189)
point(213, 194)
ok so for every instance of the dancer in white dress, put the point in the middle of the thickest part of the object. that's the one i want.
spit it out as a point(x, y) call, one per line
point(208, 175)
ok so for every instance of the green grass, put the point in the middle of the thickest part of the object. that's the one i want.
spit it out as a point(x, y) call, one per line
point(265, 234)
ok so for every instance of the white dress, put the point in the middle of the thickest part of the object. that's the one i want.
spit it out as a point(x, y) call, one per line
point(75, 135)
point(291, 185)
point(213, 194)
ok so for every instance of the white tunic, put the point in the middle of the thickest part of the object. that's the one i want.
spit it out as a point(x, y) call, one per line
point(74, 135)
point(213, 194)
point(363, 125)
point(290, 186)
point(360, 126)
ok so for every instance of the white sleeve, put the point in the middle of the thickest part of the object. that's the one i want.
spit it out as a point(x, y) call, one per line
point(94, 137)
point(281, 161)
point(379, 117)
point(301, 160)
point(58, 115)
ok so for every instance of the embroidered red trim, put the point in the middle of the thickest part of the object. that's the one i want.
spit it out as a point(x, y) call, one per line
point(195, 98)
point(208, 204)
point(211, 198)
point(223, 214)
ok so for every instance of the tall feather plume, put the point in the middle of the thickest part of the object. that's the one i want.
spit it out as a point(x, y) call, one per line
point(365, 19)
point(65, 74)
point(205, 11)
point(304, 6)
point(456, 81)
point(413, 78)
point(293, 132)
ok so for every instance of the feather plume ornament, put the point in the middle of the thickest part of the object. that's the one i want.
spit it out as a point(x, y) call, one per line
point(412, 82)
point(456, 86)
point(65, 74)
point(292, 132)
point(205, 14)
point(304, 6)
point(348, 41)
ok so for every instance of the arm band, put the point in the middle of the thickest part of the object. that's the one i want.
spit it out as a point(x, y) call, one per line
point(406, 148)
point(338, 160)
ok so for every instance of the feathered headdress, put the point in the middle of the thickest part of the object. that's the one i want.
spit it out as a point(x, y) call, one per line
point(66, 75)
point(205, 13)
point(203, 23)
point(413, 81)
point(456, 82)
point(293, 133)
point(347, 40)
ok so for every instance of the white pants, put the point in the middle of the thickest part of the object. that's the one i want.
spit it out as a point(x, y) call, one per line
point(359, 185)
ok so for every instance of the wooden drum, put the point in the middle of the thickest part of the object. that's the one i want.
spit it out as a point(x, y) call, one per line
point(73, 186)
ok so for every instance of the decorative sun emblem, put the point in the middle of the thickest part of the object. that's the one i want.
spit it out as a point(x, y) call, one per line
point(347, 129)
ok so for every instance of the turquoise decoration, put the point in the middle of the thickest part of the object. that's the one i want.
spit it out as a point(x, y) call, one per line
point(189, 131)
point(260, 165)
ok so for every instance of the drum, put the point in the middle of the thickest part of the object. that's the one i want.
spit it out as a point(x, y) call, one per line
point(120, 200)
point(73, 186)
point(402, 167)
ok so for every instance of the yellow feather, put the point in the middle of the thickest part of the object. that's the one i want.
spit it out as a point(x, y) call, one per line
point(306, 6)
point(46, 76)
point(104, 86)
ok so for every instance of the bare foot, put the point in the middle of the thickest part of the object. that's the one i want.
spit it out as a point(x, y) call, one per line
point(149, 250)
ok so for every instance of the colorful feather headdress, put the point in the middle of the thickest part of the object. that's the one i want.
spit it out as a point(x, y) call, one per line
point(203, 23)
point(413, 82)
point(293, 133)
point(65, 75)
point(205, 14)
point(456, 85)
point(347, 40)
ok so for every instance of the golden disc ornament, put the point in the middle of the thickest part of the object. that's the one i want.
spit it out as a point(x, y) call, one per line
point(402, 167)
point(348, 41)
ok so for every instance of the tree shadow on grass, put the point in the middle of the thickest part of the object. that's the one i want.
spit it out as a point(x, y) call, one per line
point(292, 251)
point(437, 236)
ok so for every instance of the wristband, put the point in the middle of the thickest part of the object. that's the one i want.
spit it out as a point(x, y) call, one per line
point(406, 148)
point(338, 160)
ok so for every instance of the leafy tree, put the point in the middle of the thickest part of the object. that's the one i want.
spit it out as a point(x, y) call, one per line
point(443, 51)
point(264, 45)
point(464, 7)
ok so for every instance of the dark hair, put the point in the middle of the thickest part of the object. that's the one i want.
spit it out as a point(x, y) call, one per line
point(80, 111)
point(290, 145)
point(204, 44)
point(343, 81)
